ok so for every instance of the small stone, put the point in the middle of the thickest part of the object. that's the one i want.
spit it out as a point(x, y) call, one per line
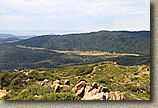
point(42, 84)
point(57, 88)
point(66, 82)
point(95, 85)
point(56, 82)
point(46, 81)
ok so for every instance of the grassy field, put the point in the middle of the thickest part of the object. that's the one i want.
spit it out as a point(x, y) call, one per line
point(91, 53)
point(95, 53)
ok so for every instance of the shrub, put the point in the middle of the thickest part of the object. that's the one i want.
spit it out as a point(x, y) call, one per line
point(7, 89)
point(136, 73)
point(17, 82)
point(60, 96)
point(6, 78)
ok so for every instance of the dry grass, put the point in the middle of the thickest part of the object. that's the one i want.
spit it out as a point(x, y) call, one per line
point(91, 53)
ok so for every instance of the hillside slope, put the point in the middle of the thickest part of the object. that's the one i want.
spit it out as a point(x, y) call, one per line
point(110, 41)
point(12, 57)
point(18, 58)
point(132, 81)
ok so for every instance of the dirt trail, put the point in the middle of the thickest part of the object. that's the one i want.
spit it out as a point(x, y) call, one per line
point(94, 69)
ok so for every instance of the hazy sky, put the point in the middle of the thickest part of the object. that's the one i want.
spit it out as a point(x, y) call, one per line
point(75, 15)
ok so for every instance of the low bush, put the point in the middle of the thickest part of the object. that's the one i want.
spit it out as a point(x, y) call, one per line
point(60, 96)
point(7, 89)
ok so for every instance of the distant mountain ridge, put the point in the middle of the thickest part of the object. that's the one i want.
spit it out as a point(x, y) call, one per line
point(7, 40)
point(5, 36)
point(111, 41)
point(30, 33)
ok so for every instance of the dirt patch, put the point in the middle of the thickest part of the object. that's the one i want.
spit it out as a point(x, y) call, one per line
point(2, 93)
point(147, 72)
point(139, 68)
point(136, 76)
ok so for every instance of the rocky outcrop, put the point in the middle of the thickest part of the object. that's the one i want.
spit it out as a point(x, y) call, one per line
point(85, 90)
point(45, 83)
point(98, 96)
point(63, 88)
point(56, 82)
point(93, 91)
point(79, 86)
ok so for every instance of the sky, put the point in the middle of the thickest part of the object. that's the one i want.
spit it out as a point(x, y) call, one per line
point(79, 15)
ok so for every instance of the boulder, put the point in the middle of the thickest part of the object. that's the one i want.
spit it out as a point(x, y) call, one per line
point(107, 96)
point(79, 86)
point(71, 85)
point(46, 81)
point(88, 84)
point(88, 89)
point(98, 96)
point(81, 80)
point(28, 80)
point(112, 96)
point(116, 96)
point(122, 96)
point(74, 90)
point(56, 82)
point(42, 84)
point(57, 88)
point(80, 92)
point(66, 82)
point(104, 89)
point(116, 63)
point(95, 85)
point(48, 85)
point(92, 93)
point(64, 88)
point(99, 88)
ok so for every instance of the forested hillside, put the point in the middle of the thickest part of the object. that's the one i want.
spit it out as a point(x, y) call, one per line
point(19, 58)
point(12, 57)
point(110, 41)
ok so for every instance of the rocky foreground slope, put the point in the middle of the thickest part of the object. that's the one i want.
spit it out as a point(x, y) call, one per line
point(101, 81)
